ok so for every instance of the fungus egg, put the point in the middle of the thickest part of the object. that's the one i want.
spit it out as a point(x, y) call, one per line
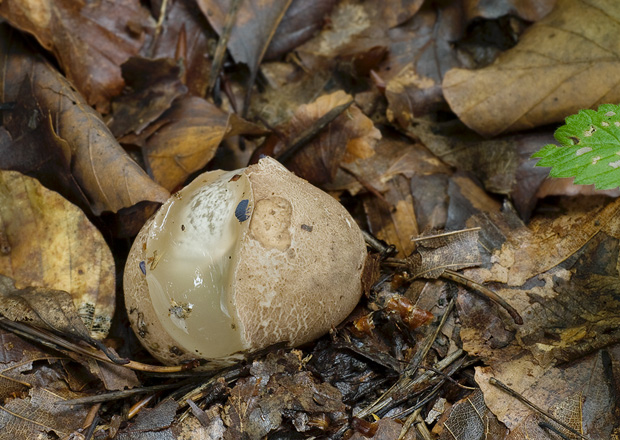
point(239, 260)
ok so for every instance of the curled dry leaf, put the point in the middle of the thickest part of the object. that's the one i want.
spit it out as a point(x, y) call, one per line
point(572, 55)
point(61, 140)
point(451, 250)
point(90, 39)
point(49, 243)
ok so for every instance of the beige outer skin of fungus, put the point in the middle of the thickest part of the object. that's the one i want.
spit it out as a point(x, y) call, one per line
point(298, 273)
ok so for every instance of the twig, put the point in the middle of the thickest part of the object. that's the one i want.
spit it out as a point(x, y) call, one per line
point(407, 382)
point(488, 293)
point(505, 388)
point(57, 343)
point(118, 395)
point(222, 44)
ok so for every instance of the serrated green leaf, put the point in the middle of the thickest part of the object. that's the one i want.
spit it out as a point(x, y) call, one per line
point(590, 148)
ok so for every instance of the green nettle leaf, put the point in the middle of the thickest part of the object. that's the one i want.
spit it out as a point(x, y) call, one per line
point(590, 148)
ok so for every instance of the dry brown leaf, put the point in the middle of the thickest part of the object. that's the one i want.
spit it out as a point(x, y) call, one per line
point(152, 423)
point(50, 243)
point(530, 10)
point(580, 394)
point(184, 37)
point(16, 366)
point(319, 160)
point(61, 140)
point(90, 39)
point(394, 12)
point(254, 26)
point(392, 217)
point(561, 274)
point(566, 62)
point(470, 419)
point(154, 84)
point(300, 22)
point(503, 165)
point(182, 140)
point(287, 88)
point(352, 37)
point(451, 250)
point(420, 54)
point(37, 415)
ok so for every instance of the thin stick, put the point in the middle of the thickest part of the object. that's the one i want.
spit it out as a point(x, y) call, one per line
point(505, 388)
point(118, 395)
point(222, 44)
point(57, 343)
point(458, 278)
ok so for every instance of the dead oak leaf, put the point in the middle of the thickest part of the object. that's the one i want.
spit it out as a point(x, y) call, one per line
point(90, 39)
point(566, 62)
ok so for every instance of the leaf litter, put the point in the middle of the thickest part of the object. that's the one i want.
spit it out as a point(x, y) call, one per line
point(390, 108)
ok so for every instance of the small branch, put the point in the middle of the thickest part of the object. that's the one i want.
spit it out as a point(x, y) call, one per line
point(57, 343)
point(488, 293)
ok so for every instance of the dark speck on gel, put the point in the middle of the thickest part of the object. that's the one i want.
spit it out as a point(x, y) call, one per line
point(143, 267)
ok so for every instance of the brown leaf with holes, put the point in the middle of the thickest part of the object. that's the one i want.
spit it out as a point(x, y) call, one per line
point(470, 419)
point(566, 62)
point(71, 256)
point(90, 39)
point(37, 415)
point(62, 141)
